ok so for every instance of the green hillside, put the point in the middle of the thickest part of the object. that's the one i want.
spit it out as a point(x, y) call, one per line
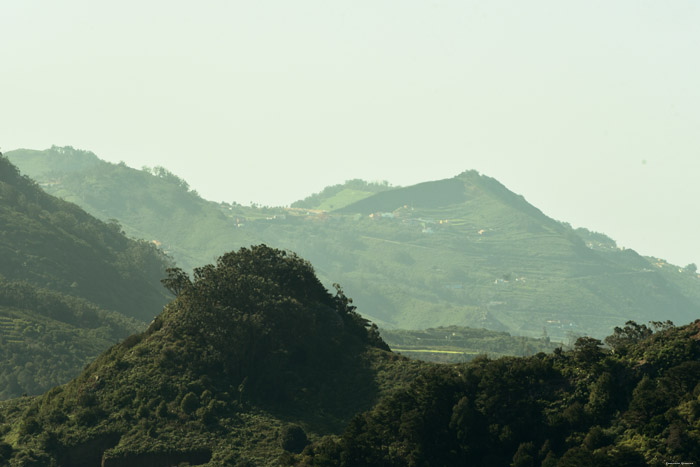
point(150, 204)
point(55, 244)
point(70, 286)
point(424, 195)
point(463, 251)
point(255, 363)
point(338, 196)
point(253, 347)
point(46, 337)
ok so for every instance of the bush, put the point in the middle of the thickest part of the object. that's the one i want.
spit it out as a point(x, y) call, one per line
point(88, 417)
point(293, 438)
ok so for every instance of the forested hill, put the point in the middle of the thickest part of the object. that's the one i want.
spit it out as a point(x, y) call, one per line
point(463, 251)
point(151, 204)
point(55, 244)
point(70, 286)
point(250, 349)
point(255, 363)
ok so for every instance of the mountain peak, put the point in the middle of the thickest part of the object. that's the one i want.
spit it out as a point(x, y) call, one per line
point(264, 304)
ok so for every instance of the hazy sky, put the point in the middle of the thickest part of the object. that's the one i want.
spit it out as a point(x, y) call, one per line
point(589, 109)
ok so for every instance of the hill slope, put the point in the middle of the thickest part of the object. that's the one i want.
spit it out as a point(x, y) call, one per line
point(53, 243)
point(337, 197)
point(463, 251)
point(70, 286)
point(251, 345)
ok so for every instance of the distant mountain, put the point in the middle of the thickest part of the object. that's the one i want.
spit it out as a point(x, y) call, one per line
point(151, 204)
point(252, 347)
point(464, 251)
point(70, 286)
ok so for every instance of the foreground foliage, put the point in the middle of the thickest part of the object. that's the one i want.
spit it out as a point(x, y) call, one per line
point(588, 407)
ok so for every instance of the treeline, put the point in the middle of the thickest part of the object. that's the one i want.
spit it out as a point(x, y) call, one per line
point(261, 311)
point(637, 405)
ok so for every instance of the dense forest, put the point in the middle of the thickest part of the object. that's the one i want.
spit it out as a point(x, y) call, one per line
point(256, 363)
point(635, 402)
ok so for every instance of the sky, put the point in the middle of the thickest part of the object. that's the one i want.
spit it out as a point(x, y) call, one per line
point(589, 109)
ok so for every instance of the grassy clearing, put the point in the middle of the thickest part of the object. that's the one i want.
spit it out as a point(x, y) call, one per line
point(343, 198)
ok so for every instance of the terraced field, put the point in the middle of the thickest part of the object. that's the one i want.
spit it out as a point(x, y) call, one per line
point(10, 329)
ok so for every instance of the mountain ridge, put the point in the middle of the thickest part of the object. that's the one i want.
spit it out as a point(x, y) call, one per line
point(484, 257)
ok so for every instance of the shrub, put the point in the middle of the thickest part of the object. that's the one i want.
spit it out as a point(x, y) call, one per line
point(293, 438)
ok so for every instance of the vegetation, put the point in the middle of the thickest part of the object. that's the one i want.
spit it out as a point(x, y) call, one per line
point(455, 344)
point(338, 196)
point(252, 359)
point(70, 286)
point(46, 338)
point(55, 244)
point(639, 405)
point(463, 251)
point(256, 363)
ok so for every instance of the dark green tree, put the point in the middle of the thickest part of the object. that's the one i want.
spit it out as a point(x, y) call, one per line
point(293, 438)
point(177, 281)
